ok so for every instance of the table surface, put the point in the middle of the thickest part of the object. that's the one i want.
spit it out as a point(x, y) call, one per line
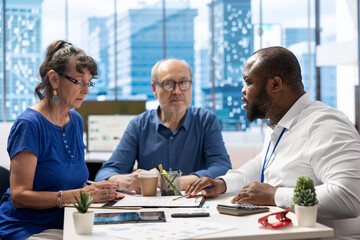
point(234, 227)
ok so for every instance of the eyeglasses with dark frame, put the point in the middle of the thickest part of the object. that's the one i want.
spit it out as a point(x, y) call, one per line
point(169, 86)
point(80, 83)
point(281, 216)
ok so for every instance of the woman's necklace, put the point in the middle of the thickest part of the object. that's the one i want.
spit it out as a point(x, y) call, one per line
point(52, 118)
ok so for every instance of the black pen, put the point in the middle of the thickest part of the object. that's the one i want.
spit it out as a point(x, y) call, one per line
point(89, 182)
point(155, 166)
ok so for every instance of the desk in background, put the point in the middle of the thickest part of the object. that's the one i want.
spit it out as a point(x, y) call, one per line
point(244, 227)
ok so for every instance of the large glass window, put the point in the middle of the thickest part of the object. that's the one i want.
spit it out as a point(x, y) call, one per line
point(126, 38)
point(2, 87)
point(22, 54)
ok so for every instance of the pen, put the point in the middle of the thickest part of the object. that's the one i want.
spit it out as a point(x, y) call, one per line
point(89, 182)
point(161, 168)
point(208, 187)
point(156, 167)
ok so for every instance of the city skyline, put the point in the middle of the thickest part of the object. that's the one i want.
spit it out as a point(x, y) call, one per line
point(227, 74)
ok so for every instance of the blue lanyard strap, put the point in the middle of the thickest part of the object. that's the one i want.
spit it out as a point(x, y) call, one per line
point(267, 160)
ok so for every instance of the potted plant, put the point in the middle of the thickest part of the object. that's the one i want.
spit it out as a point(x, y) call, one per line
point(83, 219)
point(305, 202)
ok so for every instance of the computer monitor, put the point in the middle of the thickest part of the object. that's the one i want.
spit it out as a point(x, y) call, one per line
point(105, 131)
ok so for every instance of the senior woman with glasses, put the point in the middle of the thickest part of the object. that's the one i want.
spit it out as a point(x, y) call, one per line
point(46, 149)
point(175, 135)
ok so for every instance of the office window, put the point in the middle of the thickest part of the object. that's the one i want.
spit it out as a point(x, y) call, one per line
point(2, 96)
point(126, 38)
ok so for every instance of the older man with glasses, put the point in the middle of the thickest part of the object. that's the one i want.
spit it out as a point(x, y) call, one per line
point(175, 135)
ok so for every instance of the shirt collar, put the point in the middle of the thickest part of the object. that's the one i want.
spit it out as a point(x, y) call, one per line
point(290, 116)
point(185, 123)
point(156, 118)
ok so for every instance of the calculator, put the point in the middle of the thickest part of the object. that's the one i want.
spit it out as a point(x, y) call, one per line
point(240, 209)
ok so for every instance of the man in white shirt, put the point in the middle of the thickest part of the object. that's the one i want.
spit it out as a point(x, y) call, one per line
point(304, 138)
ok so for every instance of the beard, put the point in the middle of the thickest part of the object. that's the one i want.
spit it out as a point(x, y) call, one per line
point(260, 107)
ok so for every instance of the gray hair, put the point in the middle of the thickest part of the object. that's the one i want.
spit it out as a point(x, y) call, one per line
point(157, 65)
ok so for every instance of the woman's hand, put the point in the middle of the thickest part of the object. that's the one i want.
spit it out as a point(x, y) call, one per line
point(103, 191)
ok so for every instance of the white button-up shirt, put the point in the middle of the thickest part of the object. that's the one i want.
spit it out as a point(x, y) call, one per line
point(319, 142)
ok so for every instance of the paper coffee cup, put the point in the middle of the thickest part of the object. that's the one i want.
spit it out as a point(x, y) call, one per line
point(148, 182)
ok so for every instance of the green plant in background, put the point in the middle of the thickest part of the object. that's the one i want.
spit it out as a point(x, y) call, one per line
point(304, 192)
point(83, 202)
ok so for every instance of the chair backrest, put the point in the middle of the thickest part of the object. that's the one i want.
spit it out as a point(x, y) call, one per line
point(4, 180)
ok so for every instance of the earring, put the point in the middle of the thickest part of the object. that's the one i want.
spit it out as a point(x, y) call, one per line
point(55, 98)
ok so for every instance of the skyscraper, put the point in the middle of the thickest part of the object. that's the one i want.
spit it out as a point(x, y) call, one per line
point(23, 55)
point(296, 41)
point(140, 46)
point(98, 42)
point(233, 45)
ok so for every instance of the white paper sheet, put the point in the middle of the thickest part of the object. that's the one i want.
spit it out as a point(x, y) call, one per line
point(158, 201)
point(171, 229)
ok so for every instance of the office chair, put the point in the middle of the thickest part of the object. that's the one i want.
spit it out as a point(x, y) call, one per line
point(4, 180)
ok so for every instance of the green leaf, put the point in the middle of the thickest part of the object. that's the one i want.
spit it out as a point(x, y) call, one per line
point(304, 192)
point(83, 202)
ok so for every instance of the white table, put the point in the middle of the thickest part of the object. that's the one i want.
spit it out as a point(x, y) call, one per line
point(244, 227)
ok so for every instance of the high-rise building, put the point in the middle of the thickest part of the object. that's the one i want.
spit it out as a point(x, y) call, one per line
point(328, 86)
point(202, 76)
point(233, 45)
point(23, 55)
point(140, 45)
point(296, 40)
point(98, 42)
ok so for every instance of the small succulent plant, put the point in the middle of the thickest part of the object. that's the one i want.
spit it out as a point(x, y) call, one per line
point(83, 202)
point(304, 192)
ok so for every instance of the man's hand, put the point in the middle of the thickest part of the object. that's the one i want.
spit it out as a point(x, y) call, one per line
point(218, 187)
point(256, 193)
point(187, 180)
point(128, 182)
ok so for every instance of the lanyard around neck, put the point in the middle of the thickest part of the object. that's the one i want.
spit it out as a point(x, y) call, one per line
point(267, 160)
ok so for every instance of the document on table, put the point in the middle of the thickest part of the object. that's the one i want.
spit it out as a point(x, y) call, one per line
point(184, 229)
point(157, 201)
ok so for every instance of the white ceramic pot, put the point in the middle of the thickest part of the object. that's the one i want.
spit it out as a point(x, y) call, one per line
point(83, 222)
point(306, 215)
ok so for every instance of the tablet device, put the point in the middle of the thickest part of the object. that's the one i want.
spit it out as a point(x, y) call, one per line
point(129, 217)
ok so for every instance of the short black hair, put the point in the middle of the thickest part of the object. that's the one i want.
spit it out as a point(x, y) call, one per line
point(279, 61)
